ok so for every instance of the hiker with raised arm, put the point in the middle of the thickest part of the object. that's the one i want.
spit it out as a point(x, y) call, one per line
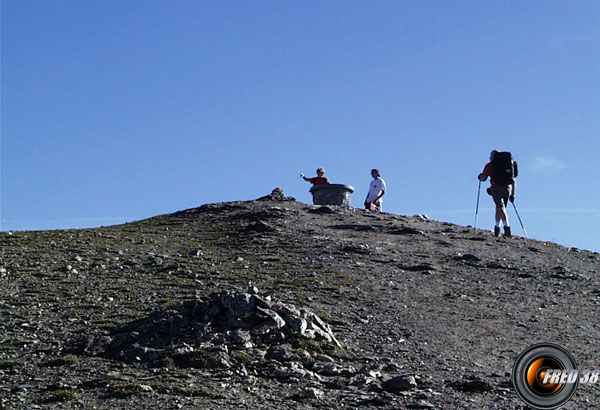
point(502, 170)
point(320, 179)
point(376, 191)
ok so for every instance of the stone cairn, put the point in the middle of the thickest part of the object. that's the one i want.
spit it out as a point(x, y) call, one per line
point(249, 334)
point(225, 330)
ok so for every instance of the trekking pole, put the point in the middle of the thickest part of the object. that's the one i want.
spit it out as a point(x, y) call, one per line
point(477, 207)
point(521, 222)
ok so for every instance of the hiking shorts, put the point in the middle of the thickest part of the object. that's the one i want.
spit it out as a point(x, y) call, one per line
point(500, 195)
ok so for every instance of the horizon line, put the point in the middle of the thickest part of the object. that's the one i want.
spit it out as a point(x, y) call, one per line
point(570, 210)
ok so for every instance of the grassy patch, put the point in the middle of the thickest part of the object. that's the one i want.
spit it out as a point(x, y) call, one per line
point(58, 361)
point(198, 391)
point(325, 316)
point(310, 346)
point(167, 362)
point(89, 306)
point(242, 357)
point(107, 325)
point(7, 348)
point(62, 395)
point(7, 364)
point(200, 359)
point(340, 277)
point(124, 390)
point(314, 347)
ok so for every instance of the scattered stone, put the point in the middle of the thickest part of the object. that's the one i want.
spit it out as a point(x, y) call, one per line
point(332, 369)
point(400, 384)
point(420, 267)
point(293, 370)
point(282, 353)
point(313, 393)
point(260, 227)
point(237, 304)
point(477, 238)
point(324, 358)
point(471, 386)
point(360, 249)
point(498, 265)
point(381, 399)
point(321, 210)
point(97, 346)
point(467, 257)
point(405, 230)
point(279, 322)
point(297, 324)
point(560, 272)
point(421, 404)
point(354, 227)
point(241, 337)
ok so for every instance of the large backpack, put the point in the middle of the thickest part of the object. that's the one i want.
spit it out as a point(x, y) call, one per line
point(504, 169)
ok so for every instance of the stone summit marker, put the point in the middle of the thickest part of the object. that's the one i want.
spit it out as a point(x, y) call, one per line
point(332, 194)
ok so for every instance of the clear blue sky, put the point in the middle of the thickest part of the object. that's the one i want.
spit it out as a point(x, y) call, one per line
point(115, 111)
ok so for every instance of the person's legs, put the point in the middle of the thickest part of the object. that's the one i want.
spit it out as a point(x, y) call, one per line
point(505, 197)
point(500, 195)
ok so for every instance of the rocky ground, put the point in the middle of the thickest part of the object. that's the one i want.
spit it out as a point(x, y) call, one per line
point(274, 303)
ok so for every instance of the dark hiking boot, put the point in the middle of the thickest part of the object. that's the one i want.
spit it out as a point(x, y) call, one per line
point(507, 231)
point(496, 231)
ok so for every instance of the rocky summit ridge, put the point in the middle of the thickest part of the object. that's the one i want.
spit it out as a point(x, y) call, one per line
point(273, 303)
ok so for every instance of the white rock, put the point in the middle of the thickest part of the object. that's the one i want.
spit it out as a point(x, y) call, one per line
point(313, 393)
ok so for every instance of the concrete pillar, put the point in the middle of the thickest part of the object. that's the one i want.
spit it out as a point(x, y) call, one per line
point(332, 194)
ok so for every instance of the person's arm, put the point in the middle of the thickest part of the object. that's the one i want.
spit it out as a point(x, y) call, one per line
point(382, 192)
point(512, 191)
point(304, 178)
point(485, 173)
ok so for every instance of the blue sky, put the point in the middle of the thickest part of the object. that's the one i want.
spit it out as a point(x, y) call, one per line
point(115, 111)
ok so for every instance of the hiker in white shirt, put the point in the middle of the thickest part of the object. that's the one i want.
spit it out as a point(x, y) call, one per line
point(376, 191)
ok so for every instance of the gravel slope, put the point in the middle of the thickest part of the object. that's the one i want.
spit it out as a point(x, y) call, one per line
point(428, 314)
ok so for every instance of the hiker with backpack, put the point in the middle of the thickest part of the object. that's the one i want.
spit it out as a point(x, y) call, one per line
point(320, 179)
point(376, 191)
point(502, 170)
